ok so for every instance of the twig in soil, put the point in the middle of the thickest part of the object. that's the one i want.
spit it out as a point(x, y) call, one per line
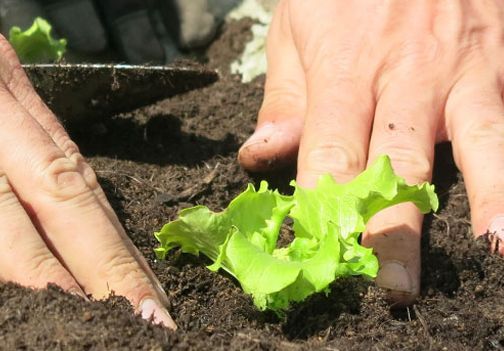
point(129, 176)
point(456, 220)
point(456, 196)
point(424, 325)
point(121, 174)
point(248, 337)
point(445, 221)
point(191, 192)
point(327, 334)
point(289, 345)
point(493, 241)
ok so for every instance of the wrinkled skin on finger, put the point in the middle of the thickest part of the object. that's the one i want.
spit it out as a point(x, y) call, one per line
point(349, 81)
point(56, 223)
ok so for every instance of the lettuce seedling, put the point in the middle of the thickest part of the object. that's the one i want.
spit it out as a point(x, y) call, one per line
point(327, 222)
point(36, 45)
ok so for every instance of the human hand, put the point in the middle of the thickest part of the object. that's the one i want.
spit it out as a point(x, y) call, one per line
point(55, 221)
point(141, 31)
point(349, 81)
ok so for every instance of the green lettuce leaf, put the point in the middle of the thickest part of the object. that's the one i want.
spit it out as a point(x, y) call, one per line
point(36, 45)
point(328, 221)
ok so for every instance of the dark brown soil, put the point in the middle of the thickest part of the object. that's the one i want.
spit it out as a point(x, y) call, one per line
point(182, 152)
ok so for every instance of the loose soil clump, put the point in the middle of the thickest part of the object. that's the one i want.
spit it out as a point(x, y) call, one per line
point(181, 152)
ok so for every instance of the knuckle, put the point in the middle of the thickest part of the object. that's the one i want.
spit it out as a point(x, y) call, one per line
point(43, 265)
point(413, 55)
point(282, 101)
point(5, 188)
point(62, 180)
point(69, 147)
point(420, 51)
point(90, 176)
point(334, 157)
point(483, 133)
point(121, 266)
point(124, 274)
point(85, 170)
point(61, 138)
point(8, 199)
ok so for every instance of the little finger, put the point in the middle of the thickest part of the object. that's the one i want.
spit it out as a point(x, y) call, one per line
point(475, 115)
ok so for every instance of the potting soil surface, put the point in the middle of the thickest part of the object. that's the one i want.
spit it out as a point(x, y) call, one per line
point(181, 152)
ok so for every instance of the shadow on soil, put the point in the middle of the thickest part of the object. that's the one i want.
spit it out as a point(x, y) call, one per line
point(319, 312)
point(445, 172)
point(159, 141)
point(115, 198)
point(441, 269)
point(278, 179)
point(439, 272)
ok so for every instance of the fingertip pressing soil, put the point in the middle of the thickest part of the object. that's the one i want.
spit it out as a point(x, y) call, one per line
point(181, 152)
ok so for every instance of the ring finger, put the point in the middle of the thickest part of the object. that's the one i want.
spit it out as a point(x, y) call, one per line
point(25, 258)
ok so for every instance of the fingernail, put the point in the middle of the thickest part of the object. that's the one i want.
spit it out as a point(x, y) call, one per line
point(151, 311)
point(394, 276)
point(261, 136)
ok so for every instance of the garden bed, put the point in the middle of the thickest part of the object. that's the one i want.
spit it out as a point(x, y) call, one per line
point(182, 151)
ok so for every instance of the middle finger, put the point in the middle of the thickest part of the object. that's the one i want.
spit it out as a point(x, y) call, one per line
point(405, 124)
point(25, 258)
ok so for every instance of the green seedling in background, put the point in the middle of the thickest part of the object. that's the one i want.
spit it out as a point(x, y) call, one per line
point(36, 45)
point(327, 223)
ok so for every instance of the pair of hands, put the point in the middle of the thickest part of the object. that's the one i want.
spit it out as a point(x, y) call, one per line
point(347, 81)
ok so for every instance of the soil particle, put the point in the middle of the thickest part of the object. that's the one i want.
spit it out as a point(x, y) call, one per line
point(181, 152)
